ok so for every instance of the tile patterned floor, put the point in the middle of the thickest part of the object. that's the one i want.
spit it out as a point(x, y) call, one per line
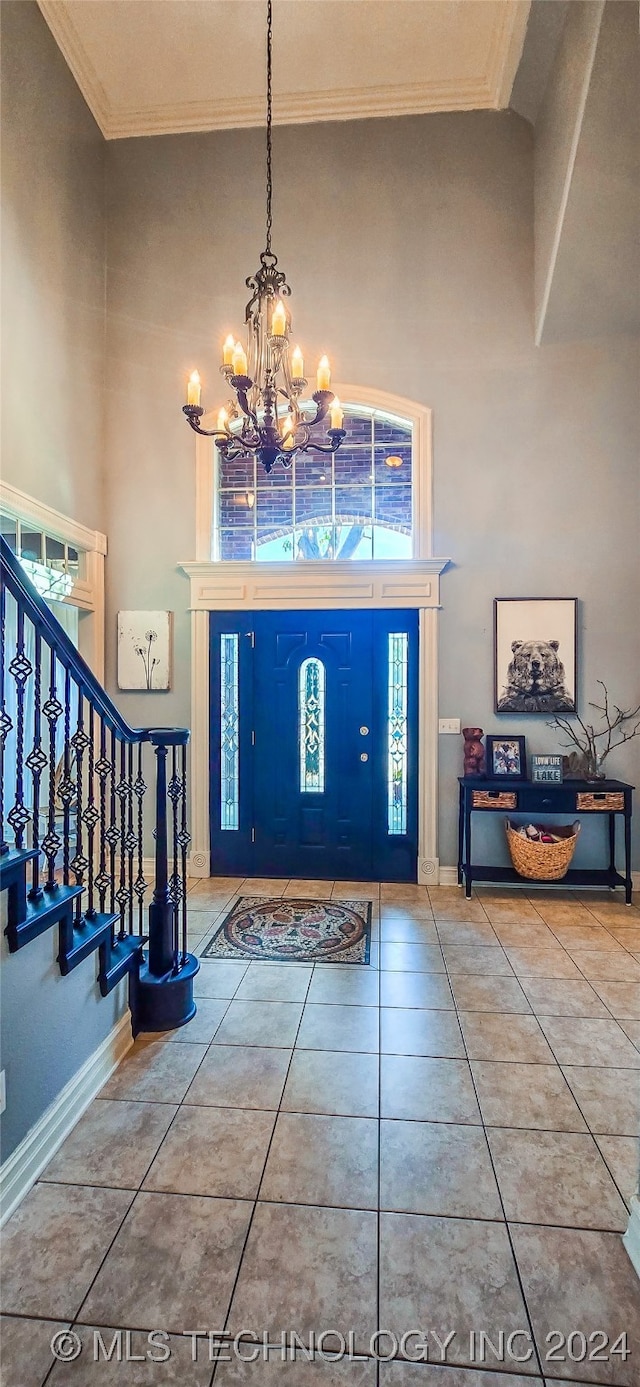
point(441, 1142)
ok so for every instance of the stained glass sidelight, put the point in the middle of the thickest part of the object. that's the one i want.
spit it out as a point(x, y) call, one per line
point(229, 733)
point(311, 717)
point(397, 733)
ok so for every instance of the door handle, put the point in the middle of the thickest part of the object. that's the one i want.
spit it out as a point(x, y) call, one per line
point(364, 756)
point(364, 731)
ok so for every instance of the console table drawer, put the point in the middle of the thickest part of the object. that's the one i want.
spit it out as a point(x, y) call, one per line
point(494, 799)
point(605, 799)
point(539, 800)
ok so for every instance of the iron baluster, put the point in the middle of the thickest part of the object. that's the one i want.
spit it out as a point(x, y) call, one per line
point(5, 721)
point(121, 791)
point(112, 831)
point(66, 784)
point(131, 841)
point(36, 762)
point(52, 841)
point(20, 669)
point(91, 817)
point(79, 743)
point(184, 840)
point(140, 884)
point(174, 790)
point(103, 769)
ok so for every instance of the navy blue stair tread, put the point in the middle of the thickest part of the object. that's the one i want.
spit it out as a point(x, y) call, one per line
point(119, 959)
point(12, 861)
point(41, 914)
point(86, 938)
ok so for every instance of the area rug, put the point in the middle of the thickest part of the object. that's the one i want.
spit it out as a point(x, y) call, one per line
point(285, 930)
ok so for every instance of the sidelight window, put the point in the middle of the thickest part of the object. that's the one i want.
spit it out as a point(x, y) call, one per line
point(397, 726)
point(311, 718)
point(229, 733)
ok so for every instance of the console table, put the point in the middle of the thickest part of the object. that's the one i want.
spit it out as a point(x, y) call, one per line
point(539, 801)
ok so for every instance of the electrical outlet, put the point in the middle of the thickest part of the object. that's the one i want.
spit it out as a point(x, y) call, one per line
point(3, 1091)
point(449, 725)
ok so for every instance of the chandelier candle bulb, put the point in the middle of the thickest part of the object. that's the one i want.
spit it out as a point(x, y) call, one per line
point(194, 389)
point(297, 364)
point(278, 320)
point(323, 377)
point(239, 360)
point(228, 349)
point(337, 414)
point(222, 421)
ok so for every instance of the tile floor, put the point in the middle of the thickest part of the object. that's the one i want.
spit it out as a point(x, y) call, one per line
point(441, 1142)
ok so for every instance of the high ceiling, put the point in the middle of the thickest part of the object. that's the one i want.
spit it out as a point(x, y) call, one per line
point(150, 67)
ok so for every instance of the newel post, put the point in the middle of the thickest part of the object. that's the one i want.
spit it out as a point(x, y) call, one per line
point(162, 993)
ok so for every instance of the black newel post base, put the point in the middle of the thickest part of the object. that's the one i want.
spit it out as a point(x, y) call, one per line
point(162, 1003)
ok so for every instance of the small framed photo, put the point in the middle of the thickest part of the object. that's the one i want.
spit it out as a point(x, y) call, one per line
point(546, 770)
point(535, 654)
point(506, 756)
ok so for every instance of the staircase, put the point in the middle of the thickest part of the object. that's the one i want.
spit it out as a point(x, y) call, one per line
point(74, 789)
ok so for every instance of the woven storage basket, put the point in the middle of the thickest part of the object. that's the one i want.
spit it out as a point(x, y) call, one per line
point(542, 861)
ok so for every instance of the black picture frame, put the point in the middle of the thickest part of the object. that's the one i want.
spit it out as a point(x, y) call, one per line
point(497, 771)
point(535, 656)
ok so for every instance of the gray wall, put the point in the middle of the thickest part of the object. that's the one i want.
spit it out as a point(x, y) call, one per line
point(409, 246)
point(52, 376)
point(50, 1027)
point(53, 278)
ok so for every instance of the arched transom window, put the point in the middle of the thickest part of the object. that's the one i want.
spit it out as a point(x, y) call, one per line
point(353, 504)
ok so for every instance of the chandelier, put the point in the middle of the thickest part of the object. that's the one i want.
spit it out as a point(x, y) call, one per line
point(268, 414)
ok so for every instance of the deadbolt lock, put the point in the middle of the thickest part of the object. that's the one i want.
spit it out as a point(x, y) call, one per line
point(364, 756)
point(364, 731)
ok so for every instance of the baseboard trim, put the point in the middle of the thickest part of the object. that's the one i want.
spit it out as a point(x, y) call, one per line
point(449, 877)
point(26, 1163)
point(631, 1238)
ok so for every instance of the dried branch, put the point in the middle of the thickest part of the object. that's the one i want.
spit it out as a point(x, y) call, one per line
point(588, 744)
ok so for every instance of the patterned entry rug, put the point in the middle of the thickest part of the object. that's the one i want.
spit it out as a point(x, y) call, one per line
point(285, 930)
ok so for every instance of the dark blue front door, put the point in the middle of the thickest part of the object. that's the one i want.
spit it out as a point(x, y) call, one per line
point(314, 744)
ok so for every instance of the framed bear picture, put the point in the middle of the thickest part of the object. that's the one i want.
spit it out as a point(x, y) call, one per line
point(535, 654)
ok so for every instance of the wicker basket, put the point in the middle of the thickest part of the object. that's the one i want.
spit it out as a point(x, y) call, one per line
point(542, 861)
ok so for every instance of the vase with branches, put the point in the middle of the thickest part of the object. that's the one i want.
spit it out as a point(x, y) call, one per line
point(594, 744)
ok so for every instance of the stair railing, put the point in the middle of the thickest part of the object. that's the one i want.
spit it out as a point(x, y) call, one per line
point(74, 790)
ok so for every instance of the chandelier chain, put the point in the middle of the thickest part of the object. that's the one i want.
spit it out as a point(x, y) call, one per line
point(269, 102)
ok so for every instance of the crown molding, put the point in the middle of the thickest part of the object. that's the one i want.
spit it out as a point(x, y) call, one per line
point(489, 90)
point(70, 44)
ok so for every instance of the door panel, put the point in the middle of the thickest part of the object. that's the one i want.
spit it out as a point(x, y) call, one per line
point(314, 753)
point(301, 830)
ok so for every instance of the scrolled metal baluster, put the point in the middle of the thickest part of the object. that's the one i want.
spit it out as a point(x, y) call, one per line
point(66, 789)
point(112, 833)
point(140, 885)
point(131, 839)
point(91, 817)
point(103, 770)
point(184, 839)
point(174, 791)
point(52, 842)
point(123, 791)
point(19, 668)
point(79, 743)
point(36, 762)
point(5, 721)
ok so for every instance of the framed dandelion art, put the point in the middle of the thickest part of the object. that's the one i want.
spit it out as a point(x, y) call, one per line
point(144, 651)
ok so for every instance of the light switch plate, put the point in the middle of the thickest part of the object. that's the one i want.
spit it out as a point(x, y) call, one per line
point(449, 725)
